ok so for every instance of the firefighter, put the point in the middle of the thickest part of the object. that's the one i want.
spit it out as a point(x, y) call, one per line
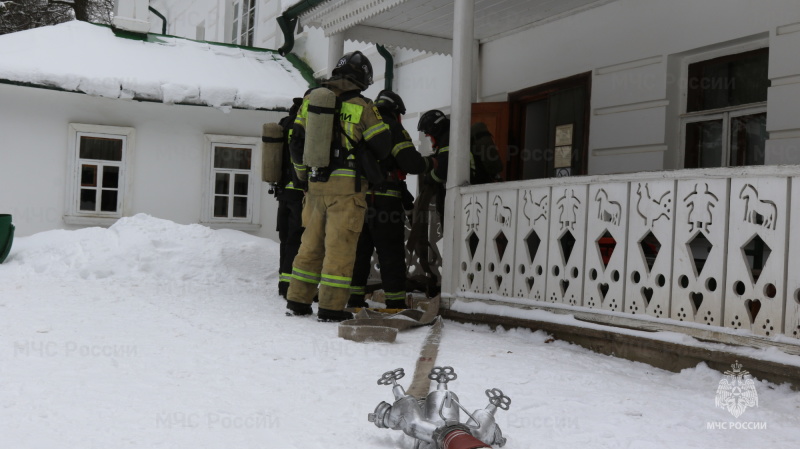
point(435, 125)
point(289, 193)
point(384, 227)
point(335, 203)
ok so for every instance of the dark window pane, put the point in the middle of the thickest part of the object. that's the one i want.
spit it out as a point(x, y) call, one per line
point(222, 186)
point(88, 199)
point(728, 81)
point(220, 206)
point(232, 158)
point(240, 184)
point(101, 148)
point(108, 201)
point(240, 207)
point(703, 144)
point(748, 138)
point(111, 177)
point(89, 175)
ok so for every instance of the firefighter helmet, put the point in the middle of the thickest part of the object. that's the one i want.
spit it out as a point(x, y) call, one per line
point(355, 67)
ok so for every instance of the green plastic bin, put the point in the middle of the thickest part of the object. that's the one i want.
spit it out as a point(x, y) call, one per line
point(6, 236)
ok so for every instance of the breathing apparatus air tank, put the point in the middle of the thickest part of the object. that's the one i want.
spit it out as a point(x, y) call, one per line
point(272, 152)
point(321, 112)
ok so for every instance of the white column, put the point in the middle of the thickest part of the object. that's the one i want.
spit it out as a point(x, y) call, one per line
point(335, 50)
point(458, 168)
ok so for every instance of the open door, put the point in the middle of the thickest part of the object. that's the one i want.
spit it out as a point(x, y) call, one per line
point(550, 125)
point(495, 116)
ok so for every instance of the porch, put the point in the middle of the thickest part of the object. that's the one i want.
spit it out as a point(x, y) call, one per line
point(626, 264)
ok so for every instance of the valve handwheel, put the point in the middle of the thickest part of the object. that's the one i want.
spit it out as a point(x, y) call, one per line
point(443, 374)
point(390, 377)
point(498, 399)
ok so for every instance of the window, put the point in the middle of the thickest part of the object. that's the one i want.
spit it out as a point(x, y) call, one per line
point(725, 123)
point(233, 182)
point(97, 174)
point(243, 24)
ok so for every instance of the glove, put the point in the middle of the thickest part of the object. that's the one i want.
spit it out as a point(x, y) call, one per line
point(408, 199)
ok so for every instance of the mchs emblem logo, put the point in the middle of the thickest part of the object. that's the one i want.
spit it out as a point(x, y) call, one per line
point(736, 391)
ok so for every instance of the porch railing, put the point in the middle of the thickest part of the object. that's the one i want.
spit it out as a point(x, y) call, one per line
point(719, 247)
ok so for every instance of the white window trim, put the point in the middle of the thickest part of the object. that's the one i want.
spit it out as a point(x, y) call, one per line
point(240, 29)
point(724, 113)
point(73, 215)
point(253, 220)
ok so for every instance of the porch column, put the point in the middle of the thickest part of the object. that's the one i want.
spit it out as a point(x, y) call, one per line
point(460, 114)
point(335, 50)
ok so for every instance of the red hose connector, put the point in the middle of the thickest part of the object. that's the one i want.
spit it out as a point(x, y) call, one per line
point(461, 439)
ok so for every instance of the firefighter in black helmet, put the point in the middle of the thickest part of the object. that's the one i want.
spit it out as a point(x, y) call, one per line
point(335, 204)
point(436, 126)
point(384, 227)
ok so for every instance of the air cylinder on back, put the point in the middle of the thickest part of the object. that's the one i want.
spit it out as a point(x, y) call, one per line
point(319, 128)
point(272, 152)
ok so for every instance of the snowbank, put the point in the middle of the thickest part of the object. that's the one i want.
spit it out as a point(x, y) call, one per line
point(143, 247)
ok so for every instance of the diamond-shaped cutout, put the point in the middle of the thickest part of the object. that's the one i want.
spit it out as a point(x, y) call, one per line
point(500, 243)
point(606, 244)
point(699, 247)
point(532, 242)
point(567, 242)
point(756, 253)
point(472, 244)
point(650, 247)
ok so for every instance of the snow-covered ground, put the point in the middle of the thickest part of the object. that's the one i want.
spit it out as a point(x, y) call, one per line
point(152, 334)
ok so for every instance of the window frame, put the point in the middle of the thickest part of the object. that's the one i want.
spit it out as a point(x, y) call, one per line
point(725, 114)
point(73, 214)
point(252, 221)
point(242, 24)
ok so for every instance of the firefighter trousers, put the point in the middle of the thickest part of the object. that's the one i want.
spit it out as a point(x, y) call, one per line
point(290, 231)
point(384, 233)
point(333, 215)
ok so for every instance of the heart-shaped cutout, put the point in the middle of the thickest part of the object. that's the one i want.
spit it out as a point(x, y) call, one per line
point(529, 281)
point(697, 300)
point(564, 286)
point(753, 307)
point(603, 288)
point(470, 278)
point(647, 292)
point(498, 280)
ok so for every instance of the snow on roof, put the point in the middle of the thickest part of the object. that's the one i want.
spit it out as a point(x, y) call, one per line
point(82, 57)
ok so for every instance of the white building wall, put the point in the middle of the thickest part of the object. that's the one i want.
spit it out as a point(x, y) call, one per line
point(169, 154)
point(633, 49)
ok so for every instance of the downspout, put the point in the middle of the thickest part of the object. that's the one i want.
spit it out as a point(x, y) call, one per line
point(288, 23)
point(163, 20)
point(389, 70)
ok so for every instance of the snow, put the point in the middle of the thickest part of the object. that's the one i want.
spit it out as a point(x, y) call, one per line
point(153, 334)
point(82, 57)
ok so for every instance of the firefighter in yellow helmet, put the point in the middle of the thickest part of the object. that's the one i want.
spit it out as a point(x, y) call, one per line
point(335, 204)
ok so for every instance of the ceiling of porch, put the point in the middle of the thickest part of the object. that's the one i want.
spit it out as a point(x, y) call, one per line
point(427, 25)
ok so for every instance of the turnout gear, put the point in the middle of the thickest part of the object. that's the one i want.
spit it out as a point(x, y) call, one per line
point(335, 203)
point(289, 193)
point(384, 227)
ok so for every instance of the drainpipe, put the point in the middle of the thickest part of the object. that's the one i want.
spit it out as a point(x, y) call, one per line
point(163, 20)
point(389, 71)
point(288, 23)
